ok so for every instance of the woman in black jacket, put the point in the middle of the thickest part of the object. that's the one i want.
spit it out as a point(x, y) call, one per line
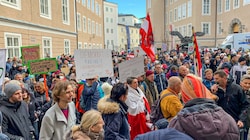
point(114, 112)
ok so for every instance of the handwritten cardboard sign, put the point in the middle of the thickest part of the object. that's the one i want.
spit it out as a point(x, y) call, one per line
point(93, 62)
point(30, 53)
point(42, 66)
point(133, 67)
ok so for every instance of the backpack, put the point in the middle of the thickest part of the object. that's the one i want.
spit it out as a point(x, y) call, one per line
point(156, 113)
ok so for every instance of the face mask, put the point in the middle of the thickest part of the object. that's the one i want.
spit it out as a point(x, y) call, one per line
point(206, 61)
point(61, 77)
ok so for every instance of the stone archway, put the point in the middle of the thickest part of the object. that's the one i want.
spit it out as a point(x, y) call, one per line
point(235, 26)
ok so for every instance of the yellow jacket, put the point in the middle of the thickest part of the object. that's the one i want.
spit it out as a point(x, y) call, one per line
point(171, 104)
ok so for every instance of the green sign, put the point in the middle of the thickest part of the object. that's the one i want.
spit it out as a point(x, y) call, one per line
point(42, 66)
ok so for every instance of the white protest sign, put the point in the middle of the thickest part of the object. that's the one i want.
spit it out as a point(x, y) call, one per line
point(2, 65)
point(133, 67)
point(93, 62)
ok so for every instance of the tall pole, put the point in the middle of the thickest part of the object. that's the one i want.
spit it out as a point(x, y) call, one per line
point(215, 29)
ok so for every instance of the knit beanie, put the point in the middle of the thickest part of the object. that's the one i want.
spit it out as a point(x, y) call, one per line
point(106, 87)
point(149, 72)
point(192, 88)
point(10, 89)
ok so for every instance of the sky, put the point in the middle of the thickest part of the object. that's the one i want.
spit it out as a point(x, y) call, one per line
point(135, 7)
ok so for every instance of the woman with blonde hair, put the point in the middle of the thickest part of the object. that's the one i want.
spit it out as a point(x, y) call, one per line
point(90, 128)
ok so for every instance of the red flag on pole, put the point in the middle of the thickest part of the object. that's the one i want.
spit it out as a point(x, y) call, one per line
point(197, 57)
point(147, 39)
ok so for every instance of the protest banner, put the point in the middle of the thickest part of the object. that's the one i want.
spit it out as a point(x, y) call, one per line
point(30, 53)
point(133, 67)
point(92, 63)
point(2, 65)
point(42, 66)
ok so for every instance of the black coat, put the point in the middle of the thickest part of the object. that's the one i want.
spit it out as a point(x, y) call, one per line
point(16, 123)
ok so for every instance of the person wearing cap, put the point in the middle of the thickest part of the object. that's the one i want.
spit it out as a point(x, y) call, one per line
point(149, 88)
point(16, 122)
point(239, 70)
point(200, 117)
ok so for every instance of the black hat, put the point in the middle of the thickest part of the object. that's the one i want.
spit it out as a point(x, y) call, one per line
point(242, 59)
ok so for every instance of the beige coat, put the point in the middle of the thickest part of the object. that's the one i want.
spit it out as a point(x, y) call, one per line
point(54, 124)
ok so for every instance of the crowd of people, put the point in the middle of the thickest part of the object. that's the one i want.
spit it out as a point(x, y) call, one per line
point(56, 106)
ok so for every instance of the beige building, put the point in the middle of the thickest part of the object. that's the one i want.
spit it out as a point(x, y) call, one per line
point(134, 34)
point(57, 26)
point(216, 18)
point(90, 24)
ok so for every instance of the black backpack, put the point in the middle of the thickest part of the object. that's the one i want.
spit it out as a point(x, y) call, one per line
point(156, 113)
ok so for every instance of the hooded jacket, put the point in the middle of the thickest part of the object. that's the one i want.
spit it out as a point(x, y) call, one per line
point(202, 119)
point(115, 117)
point(16, 123)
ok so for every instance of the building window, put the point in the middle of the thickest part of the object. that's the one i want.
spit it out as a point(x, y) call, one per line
point(149, 4)
point(206, 28)
point(65, 11)
point(111, 31)
point(245, 2)
point(89, 26)
point(170, 16)
point(84, 2)
point(90, 45)
point(180, 30)
point(179, 12)
point(122, 40)
point(219, 28)
point(93, 5)
point(123, 19)
point(184, 29)
point(175, 14)
point(66, 46)
point(16, 4)
point(47, 47)
point(189, 31)
point(111, 20)
point(88, 4)
point(107, 9)
point(122, 30)
point(93, 27)
point(79, 23)
point(85, 45)
point(96, 8)
point(111, 10)
point(189, 12)
point(219, 7)
point(107, 19)
point(206, 7)
point(97, 29)
point(45, 8)
point(236, 4)
point(84, 24)
point(184, 10)
point(100, 10)
point(100, 28)
point(12, 44)
point(79, 45)
point(107, 30)
point(227, 5)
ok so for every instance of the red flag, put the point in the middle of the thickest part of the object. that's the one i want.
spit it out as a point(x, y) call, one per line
point(147, 39)
point(197, 57)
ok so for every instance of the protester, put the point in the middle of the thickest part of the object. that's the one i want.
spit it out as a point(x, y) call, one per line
point(138, 109)
point(149, 88)
point(231, 97)
point(160, 78)
point(90, 128)
point(201, 118)
point(170, 103)
point(239, 70)
point(90, 94)
point(61, 116)
point(114, 112)
point(16, 123)
point(208, 80)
